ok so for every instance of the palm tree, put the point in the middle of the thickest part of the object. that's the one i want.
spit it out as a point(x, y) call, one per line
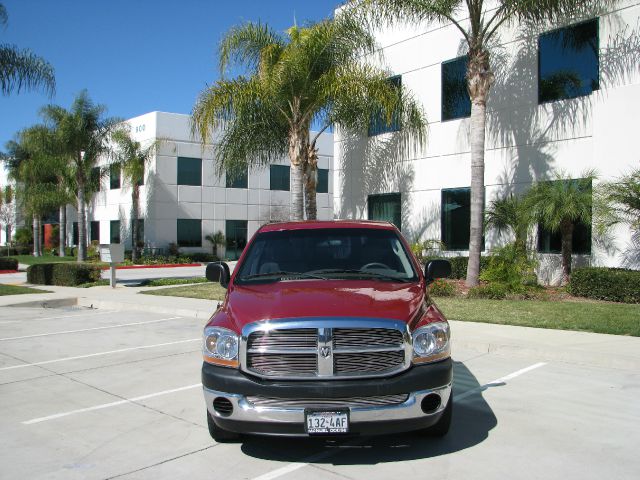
point(484, 20)
point(559, 205)
point(512, 214)
point(623, 196)
point(217, 239)
point(310, 76)
point(133, 158)
point(82, 135)
point(21, 69)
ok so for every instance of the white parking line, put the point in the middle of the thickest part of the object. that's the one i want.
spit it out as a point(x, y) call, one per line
point(292, 467)
point(65, 359)
point(109, 405)
point(81, 314)
point(89, 329)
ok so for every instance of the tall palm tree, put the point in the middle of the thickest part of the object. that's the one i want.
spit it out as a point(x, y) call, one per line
point(624, 197)
point(559, 205)
point(484, 20)
point(21, 69)
point(511, 213)
point(133, 158)
point(82, 135)
point(309, 76)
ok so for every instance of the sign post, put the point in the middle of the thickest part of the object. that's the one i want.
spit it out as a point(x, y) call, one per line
point(112, 253)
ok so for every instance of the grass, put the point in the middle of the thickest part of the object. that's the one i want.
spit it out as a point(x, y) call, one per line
point(207, 291)
point(97, 283)
point(17, 290)
point(31, 260)
point(161, 282)
point(587, 316)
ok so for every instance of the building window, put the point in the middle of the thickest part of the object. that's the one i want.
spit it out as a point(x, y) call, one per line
point(189, 171)
point(239, 180)
point(455, 218)
point(568, 63)
point(236, 234)
point(456, 102)
point(75, 234)
point(385, 207)
point(279, 177)
point(140, 181)
point(323, 181)
point(114, 231)
point(95, 179)
point(378, 123)
point(189, 232)
point(140, 239)
point(95, 231)
point(114, 177)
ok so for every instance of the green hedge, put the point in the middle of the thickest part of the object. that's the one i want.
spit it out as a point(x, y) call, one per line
point(8, 263)
point(16, 250)
point(459, 265)
point(66, 274)
point(613, 284)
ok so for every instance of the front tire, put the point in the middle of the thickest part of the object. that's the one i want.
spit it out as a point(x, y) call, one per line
point(441, 428)
point(218, 434)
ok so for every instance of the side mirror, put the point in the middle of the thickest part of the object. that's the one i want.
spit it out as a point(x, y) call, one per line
point(437, 269)
point(218, 272)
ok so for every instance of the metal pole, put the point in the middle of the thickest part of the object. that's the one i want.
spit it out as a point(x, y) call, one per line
point(113, 275)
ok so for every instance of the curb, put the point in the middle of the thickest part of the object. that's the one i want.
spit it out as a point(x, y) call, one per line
point(53, 303)
point(141, 307)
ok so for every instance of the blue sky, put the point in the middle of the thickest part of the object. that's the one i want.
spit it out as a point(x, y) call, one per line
point(134, 56)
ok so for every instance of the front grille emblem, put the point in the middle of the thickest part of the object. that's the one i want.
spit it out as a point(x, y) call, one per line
point(325, 351)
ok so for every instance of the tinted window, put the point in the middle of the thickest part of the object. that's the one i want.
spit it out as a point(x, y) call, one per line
point(551, 242)
point(332, 253)
point(568, 62)
point(386, 208)
point(279, 177)
point(95, 231)
point(114, 177)
point(455, 218)
point(238, 180)
point(114, 231)
point(75, 234)
point(189, 171)
point(323, 181)
point(236, 234)
point(189, 232)
point(455, 96)
point(379, 123)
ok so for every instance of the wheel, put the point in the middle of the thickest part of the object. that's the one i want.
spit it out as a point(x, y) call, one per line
point(218, 434)
point(441, 428)
point(375, 265)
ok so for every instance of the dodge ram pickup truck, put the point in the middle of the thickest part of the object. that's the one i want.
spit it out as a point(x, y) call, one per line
point(327, 328)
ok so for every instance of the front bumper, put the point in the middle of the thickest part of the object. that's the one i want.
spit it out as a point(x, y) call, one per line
point(418, 382)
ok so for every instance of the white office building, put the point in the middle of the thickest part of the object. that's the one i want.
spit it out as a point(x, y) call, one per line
point(554, 107)
point(183, 200)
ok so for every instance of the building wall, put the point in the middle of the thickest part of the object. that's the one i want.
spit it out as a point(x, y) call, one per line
point(163, 201)
point(525, 141)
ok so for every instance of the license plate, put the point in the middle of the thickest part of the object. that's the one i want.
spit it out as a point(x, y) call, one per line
point(327, 423)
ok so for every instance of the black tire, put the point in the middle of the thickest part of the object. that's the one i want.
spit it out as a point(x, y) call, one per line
point(441, 428)
point(218, 434)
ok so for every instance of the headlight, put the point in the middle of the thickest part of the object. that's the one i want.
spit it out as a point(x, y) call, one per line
point(220, 346)
point(431, 343)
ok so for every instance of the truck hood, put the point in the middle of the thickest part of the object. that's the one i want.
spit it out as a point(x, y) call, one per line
point(322, 298)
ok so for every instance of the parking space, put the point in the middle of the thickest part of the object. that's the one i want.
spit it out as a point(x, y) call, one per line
point(95, 394)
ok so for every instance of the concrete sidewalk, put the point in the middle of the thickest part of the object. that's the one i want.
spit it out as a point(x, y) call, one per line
point(606, 351)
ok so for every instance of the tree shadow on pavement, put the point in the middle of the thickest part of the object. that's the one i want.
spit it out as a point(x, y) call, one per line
point(472, 420)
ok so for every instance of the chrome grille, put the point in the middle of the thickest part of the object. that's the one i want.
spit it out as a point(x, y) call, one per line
point(367, 362)
point(333, 348)
point(366, 337)
point(345, 402)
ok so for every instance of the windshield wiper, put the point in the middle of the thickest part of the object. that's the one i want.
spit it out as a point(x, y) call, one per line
point(361, 273)
point(281, 274)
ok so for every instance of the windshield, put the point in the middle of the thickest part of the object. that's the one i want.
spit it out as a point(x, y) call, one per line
point(336, 253)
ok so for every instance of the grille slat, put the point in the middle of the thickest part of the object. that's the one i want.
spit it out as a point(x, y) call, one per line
point(372, 337)
point(293, 338)
point(345, 402)
point(283, 364)
point(376, 362)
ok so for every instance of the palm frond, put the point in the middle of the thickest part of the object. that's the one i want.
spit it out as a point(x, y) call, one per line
point(22, 70)
point(250, 45)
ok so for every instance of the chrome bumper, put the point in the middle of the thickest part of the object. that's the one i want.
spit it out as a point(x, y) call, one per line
point(244, 411)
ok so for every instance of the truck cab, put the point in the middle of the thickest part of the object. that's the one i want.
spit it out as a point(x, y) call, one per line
point(327, 328)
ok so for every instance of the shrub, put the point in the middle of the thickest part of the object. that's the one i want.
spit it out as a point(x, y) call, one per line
point(494, 291)
point(173, 249)
point(16, 250)
point(459, 265)
point(616, 285)
point(442, 288)
point(201, 257)
point(63, 274)
point(24, 236)
point(8, 263)
point(509, 265)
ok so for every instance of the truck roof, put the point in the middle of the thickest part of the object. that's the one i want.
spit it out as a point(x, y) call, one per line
point(318, 224)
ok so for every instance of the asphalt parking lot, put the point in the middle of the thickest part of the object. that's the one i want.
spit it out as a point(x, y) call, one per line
point(94, 394)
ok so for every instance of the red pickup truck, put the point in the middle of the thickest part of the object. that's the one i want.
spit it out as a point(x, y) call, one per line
point(327, 328)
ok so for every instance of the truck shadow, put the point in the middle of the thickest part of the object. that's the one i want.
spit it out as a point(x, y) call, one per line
point(473, 418)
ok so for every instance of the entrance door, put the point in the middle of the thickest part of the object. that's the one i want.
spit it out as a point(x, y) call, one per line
point(236, 238)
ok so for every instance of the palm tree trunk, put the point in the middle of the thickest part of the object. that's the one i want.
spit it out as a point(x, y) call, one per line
point(82, 223)
point(297, 151)
point(135, 194)
point(63, 230)
point(311, 183)
point(479, 80)
point(566, 232)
